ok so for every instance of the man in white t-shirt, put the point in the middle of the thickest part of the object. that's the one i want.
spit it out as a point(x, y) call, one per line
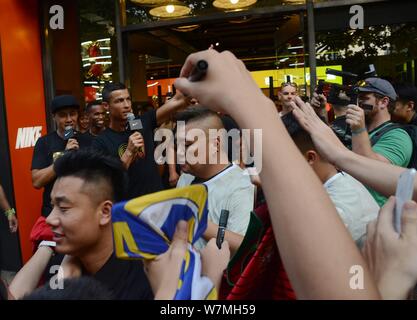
point(228, 187)
point(355, 204)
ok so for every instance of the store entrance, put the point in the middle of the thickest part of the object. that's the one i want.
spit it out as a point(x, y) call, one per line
point(272, 46)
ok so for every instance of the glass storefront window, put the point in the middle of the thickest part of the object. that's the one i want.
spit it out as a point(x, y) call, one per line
point(272, 47)
point(97, 67)
point(392, 49)
point(97, 46)
point(144, 11)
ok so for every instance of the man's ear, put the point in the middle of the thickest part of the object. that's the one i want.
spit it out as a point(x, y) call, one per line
point(311, 156)
point(410, 106)
point(105, 105)
point(105, 212)
point(218, 143)
point(384, 103)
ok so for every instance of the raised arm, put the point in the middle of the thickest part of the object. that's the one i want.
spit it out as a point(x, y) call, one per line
point(178, 102)
point(378, 175)
point(29, 276)
point(315, 246)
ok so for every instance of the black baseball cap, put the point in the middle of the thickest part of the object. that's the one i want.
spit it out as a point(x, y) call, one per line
point(380, 86)
point(64, 101)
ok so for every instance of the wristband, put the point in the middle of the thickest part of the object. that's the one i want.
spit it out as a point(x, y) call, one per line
point(10, 212)
point(359, 131)
point(50, 244)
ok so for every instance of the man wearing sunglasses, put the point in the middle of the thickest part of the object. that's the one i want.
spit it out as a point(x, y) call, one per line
point(287, 94)
point(370, 121)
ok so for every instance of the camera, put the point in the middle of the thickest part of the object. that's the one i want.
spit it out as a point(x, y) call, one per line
point(343, 95)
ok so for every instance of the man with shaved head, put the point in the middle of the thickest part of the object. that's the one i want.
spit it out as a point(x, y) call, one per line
point(206, 162)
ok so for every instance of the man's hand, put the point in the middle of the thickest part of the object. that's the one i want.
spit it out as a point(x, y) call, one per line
point(12, 223)
point(392, 258)
point(72, 144)
point(355, 117)
point(135, 143)
point(173, 178)
point(164, 271)
point(227, 82)
point(327, 143)
point(215, 261)
point(318, 101)
point(179, 101)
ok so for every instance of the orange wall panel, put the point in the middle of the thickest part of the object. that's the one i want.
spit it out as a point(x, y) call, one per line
point(25, 102)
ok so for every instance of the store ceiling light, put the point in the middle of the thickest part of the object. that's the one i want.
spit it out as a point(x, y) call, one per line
point(186, 28)
point(170, 8)
point(149, 2)
point(295, 47)
point(233, 4)
point(170, 11)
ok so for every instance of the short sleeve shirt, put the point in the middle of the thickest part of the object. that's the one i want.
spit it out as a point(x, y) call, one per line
point(143, 173)
point(396, 146)
point(47, 148)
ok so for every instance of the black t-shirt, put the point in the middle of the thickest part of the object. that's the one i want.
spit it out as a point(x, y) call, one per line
point(46, 149)
point(230, 124)
point(87, 138)
point(413, 120)
point(125, 279)
point(143, 173)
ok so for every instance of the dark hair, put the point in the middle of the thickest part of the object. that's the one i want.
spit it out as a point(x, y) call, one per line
point(93, 166)
point(4, 295)
point(391, 103)
point(300, 137)
point(109, 88)
point(84, 288)
point(406, 92)
point(196, 112)
point(92, 104)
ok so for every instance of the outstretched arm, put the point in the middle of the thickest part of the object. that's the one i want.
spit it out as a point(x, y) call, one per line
point(29, 276)
point(377, 175)
point(315, 246)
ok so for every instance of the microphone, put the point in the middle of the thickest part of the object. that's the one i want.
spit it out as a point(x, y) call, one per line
point(69, 133)
point(134, 125)
point(199, 71)
point(224, 216)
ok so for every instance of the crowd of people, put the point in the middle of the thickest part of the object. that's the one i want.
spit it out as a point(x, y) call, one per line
point(330, 204)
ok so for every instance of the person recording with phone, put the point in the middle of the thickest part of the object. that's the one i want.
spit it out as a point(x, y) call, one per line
point(50, 147)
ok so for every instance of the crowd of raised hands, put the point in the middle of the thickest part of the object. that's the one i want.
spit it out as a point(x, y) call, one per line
point(316, 249)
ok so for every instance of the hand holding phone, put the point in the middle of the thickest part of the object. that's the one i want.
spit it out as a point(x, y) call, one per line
point(404, 193)
point(224, 216)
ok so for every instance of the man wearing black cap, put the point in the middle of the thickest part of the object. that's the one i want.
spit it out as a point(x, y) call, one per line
point(406, 104)
point(50, 147)
point(369, 121)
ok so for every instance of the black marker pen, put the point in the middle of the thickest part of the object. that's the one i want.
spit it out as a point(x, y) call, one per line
point(222, 227)
point(199, 71)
